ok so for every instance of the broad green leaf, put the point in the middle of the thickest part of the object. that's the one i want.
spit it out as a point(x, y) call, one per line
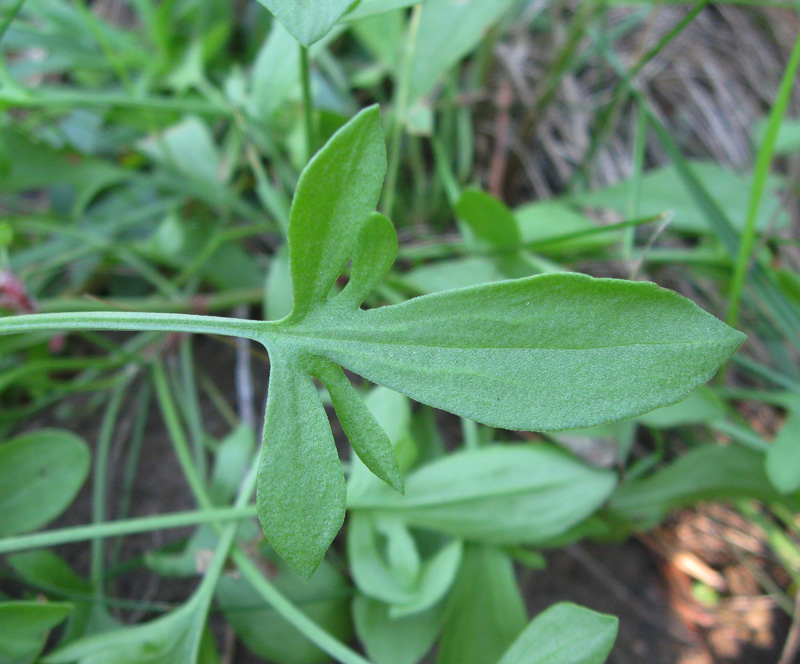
point(783, 458)
point(700, 407)
point(448, 31)
point(325, 599)
point(391, 640)
point(708, 473)
point(175, 637)
point(485, 612)
point(301, 488)
point(488, 218)
point(46, 571)
point(664, 189)
point(565, 634)
point(560, 351)
point(307, 20)
point(338, 189)
point(40, 475)
point(398, 578)
point(500, 494)
point(24, 627)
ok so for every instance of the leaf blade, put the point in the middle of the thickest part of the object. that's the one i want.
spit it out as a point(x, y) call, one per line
point(301, 489)
point(337, 190)
point(551, 352)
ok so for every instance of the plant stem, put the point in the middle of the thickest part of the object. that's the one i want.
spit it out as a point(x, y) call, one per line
point(400, 110)
point(135, 322)
point(313, 632)
point(308, 109)
point(124, 527)
point(100, 485)
point(763, 161)
point(181, 445)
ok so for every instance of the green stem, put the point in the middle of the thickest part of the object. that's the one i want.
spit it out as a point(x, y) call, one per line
point(210, 302)
point(100, 486)
point(763, 161)
point(136, 322)
point(313, 632)
point(308, 109)
point(124, 527)
point(56, 98)
point(181, 445)
point(399, 115)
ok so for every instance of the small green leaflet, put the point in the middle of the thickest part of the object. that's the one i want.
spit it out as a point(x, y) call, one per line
point(308, 20)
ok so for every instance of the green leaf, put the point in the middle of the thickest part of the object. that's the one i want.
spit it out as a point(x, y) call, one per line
point(366, 8)
point(486, 611)
point(560, 351)
point(499, 494)
point(664, 189)
point(25, 626)
point(373, 256)
point(325, 599)
point(783, 458)
point(366, 436)
point(448, 31)
point(175, 637)
point(301, 487)
point(565, 634)
point(338, 189)
point(700, 407)
point(391, 640)
point(308, 20)
point(46, 571)
point(399, 578)
point(708, 473)
point(40, 475)
point(488, 218)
